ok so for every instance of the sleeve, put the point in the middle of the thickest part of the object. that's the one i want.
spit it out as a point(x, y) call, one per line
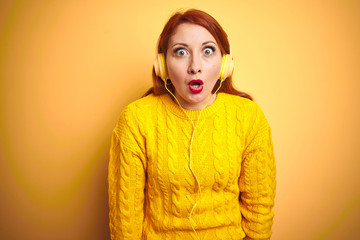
point(258, 181)
point(126, 179)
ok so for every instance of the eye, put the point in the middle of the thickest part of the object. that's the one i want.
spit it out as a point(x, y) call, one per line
point(180, 52)
point(208, 50)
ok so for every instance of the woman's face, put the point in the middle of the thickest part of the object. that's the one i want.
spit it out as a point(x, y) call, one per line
point(193, 62)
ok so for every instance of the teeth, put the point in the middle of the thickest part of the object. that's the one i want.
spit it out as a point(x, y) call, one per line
point(195, 85)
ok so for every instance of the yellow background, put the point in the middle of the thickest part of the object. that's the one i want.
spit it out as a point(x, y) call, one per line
point(67, 68)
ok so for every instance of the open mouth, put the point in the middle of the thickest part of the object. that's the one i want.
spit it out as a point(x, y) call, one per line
point(196, 85)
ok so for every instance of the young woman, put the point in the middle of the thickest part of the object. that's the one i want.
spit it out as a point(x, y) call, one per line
point(193, 159)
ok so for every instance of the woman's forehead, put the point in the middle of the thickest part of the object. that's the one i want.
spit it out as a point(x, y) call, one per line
point(189, 33)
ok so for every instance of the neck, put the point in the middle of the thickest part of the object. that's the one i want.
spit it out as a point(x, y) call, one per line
point(194, 107)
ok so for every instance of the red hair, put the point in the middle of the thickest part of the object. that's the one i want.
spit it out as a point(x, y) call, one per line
point(203, 19)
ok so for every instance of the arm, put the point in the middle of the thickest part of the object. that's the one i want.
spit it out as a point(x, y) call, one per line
point(126, 178)
point(258, 181)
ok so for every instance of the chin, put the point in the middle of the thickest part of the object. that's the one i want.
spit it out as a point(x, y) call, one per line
point(199, 98)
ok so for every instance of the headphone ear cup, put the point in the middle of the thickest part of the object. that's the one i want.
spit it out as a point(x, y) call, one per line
point(160, 67)
point(227, 67)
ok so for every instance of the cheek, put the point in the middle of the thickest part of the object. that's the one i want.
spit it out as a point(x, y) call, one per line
point(214, 69)
point(175, 69)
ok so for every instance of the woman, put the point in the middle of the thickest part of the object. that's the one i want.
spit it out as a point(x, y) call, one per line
point(193, 159)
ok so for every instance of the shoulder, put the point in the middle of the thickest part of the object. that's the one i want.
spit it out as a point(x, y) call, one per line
point(142, 106)
point(241, 105)
point(144, 103)
point(138, 111)
point(244, 111)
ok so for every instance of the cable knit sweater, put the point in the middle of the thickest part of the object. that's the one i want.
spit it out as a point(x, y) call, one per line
point(152, 189)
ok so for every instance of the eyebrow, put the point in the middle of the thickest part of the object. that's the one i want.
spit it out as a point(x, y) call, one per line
point(186, 45)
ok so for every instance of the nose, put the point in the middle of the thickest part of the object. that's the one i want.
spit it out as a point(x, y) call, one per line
point(195, 65)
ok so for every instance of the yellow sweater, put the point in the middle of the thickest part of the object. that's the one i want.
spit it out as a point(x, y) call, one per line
point(152, 189)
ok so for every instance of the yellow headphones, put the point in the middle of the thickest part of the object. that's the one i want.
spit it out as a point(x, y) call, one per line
point(227, 66)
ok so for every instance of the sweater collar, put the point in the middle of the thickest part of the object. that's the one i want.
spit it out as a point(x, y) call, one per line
point(193, 114)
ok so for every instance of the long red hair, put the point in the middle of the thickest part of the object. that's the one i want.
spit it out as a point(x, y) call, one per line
point(203, 19)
